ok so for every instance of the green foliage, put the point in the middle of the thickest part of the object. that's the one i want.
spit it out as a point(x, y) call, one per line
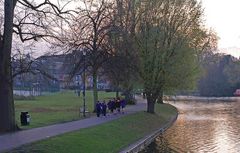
point(221, 76)
point(106, 138)
point(232, 71)
point(182, 71)
point(166, 37)
point(131, 102)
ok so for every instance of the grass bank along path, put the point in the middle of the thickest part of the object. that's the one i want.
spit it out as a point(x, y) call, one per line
point(107, 137)
point(56, 108)
point(19, 138)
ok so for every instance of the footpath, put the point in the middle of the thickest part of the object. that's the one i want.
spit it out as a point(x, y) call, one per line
point(13, 140)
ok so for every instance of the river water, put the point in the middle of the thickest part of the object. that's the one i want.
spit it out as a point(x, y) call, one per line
point(202, 127)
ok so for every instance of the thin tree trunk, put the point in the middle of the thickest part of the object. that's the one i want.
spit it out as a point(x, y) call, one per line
point(160, 98)
point(95, 90)
point(127, 95)
point(7, 112)
point(117, 90)
point(128, 92)
point(117, 93)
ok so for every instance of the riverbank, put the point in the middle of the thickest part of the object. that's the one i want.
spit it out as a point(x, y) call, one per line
point(143, 143)
point(201, 99)
point(108, 137)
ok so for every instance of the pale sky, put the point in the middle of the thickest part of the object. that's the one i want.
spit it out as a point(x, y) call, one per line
point(224, 17)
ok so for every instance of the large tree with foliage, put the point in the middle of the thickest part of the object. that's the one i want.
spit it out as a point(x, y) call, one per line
point(167, 31)
point(29, 20)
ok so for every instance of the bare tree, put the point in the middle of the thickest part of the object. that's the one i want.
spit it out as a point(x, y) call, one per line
point(123, 67)
point(121, 74)
point(29, 20)
point(88, 31)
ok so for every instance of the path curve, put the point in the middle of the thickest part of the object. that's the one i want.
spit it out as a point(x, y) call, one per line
point(13, 140)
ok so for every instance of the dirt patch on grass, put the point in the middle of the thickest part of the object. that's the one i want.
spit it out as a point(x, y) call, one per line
point(69, 110)
point(41, 110)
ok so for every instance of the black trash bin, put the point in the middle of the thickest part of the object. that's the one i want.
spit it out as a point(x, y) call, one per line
point(25, 118)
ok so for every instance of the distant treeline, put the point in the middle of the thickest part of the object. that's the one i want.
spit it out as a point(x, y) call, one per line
point(221, 75)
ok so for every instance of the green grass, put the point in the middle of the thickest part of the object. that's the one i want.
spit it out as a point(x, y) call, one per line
point(55, 108)
point(106, 138)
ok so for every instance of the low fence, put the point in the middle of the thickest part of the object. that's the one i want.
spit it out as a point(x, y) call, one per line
point(27, 93)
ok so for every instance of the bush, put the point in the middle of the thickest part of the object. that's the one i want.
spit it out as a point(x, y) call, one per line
point(108, 90)
point(131, 102)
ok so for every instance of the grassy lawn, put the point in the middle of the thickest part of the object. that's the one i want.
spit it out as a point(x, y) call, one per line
point(56, 108)
point(106, 138)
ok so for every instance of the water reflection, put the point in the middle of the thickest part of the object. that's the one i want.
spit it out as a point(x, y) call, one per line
point(202, 127)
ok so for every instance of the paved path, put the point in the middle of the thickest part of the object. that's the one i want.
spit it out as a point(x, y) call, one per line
point(16, 139)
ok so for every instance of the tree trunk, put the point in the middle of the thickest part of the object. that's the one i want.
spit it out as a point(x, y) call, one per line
point(7, 112)
point(95, 90)
point(117, 93)
point(150, 104)
point(117, 90)
point(128, 90)
point(160, 98)
point(129, 95)
point(150, 107)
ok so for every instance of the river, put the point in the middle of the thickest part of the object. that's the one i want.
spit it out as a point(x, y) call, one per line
point(202, 127)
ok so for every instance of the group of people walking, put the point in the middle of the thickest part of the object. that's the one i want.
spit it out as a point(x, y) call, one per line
point(115, 106)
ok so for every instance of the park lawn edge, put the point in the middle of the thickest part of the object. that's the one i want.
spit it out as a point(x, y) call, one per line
point(56, 108)
point(109, 137)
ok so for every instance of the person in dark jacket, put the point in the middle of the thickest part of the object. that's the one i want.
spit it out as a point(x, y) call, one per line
point(118, 104)
point(110, 106)
point(104, 108)
point(98, 108)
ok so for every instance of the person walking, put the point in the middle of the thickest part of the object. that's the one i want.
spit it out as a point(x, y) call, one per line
point(104, 108)
point(110, 106)
point(118, 104)
point(123, 105)
point(98, 108)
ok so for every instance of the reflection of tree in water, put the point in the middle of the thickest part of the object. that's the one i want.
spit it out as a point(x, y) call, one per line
point(160, 145)
point(201, 127)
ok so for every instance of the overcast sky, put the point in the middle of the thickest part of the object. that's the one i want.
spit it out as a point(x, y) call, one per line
point(224, 17)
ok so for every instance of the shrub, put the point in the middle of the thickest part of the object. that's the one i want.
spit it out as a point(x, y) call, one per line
point(131, 102)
